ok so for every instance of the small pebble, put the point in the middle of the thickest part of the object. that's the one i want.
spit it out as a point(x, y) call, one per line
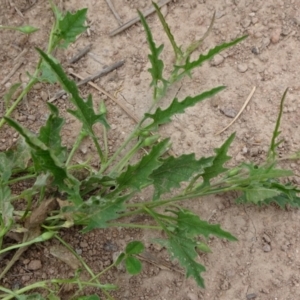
point(44, 96)
point(266, 238)
point(217, 60)
point(246, 22)
point(83, 244)
point(255, 50)
point(242, 68)
point(275, 35)
point(228, 112)
point(37, 86)
point(267, 248)
point(251, 296)
point(31, 117)
point(34, 265)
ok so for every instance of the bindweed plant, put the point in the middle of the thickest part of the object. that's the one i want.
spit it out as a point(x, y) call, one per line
point(102, 199)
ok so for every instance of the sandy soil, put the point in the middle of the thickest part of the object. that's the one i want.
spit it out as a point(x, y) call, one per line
point(264, 264)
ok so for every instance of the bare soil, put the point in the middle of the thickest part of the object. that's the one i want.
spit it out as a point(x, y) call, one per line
point(264, 264)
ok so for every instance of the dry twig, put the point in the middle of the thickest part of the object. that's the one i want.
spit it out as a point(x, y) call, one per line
point(91, 78)
point(241, 110)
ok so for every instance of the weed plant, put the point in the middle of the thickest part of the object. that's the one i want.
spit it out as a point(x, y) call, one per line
point(103, 198)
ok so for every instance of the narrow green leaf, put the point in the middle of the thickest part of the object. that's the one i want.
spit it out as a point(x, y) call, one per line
point(133, 265)
point(137, 176)
point(183, 249)
point(50, 133)
point(70, 26)
point(194, 45)
point(189, 66)
point(34, 296)
point(276, 133)
point(134, 247)
point(157, 64)
point(177, 51)
point(164, 116)
point(175, 170)
point(191, 225)
point(257, 193)
point(85, 111)
point(218, 162)
point(7, 97)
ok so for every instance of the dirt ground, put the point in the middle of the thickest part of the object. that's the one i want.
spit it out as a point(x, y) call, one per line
point(265, 262)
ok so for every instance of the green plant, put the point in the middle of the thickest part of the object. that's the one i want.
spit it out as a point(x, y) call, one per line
point(103, 198)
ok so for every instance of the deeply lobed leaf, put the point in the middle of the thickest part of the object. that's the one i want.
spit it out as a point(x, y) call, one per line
point(138, 176)
point(70, 26)
point(175, 170)
point(164, 116)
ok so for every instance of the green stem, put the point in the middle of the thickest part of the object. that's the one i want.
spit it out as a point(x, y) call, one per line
point(134, 226)
point(78, 141)
point(105, 143)
point(120, 165)
point(25, 177)
point(100, 153)
point(32, 81)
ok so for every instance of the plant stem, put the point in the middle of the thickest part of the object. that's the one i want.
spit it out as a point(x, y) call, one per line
point(25, 177)
point(78, 141)
point(134, 226)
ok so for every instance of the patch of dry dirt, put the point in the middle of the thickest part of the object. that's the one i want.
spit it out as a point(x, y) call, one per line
point(264, 264)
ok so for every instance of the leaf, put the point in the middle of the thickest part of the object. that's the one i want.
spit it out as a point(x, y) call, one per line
point(50, 134)
point(194, 45)
point(45, 161)
point(98, 213)
point(7, 97)
point(70, 26)
point(47, 75)
point(257, 193)
point(27, 29)
point(137, 176)
point(217, 166)
point(134, 247)
point(35, 296)
point(157, 64)
point(183, 249)
point(203, 247)
point(6, 207)
point(177, 51)
point(14, 158)
point(91, 297)
point(85, 111)
point(133, 265)
point(191, 225)
point(175, 170)
point(164, 116)
point(189, 66)
point(6, 166)
point(276, 133)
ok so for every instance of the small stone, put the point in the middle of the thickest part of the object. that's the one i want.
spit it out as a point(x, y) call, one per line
point(25, 278)
point(84, 244)
point(267, 248)
point(192, 296)
point(217, 60)
point(246, 22)
point(44, 96)
point(242, 68)
point(34, 265)
point(83, 149)
point(31, 117)
point(266, 238)
point(37, 86)
point(228, 112)
point(26, 261)
point(245, 150)
point(275, 35)
point(251, 296)
point(255, 50)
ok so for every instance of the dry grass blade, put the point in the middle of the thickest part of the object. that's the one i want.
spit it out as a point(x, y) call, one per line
point(239, 113)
